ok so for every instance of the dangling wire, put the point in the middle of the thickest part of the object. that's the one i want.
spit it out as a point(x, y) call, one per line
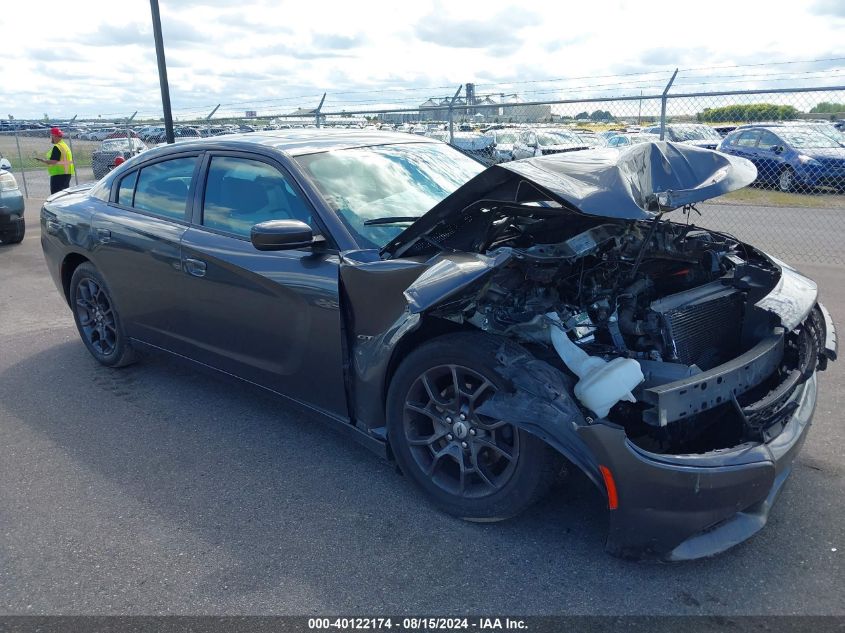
point(687, 211)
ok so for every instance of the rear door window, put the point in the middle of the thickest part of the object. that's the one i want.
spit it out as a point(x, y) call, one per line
point(748, 139)
point(163, 187)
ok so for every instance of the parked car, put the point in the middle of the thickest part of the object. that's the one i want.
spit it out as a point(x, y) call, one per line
point(102, 159)
point(100, 134)
point(477, 325)
point(12, 223)
point(622, 140)
point(696, 134)
point(504, 139)
point(590, 138)
point(122, 134)
point(159, 135)
point(152, 133)
point(543, 142)
point(609, 133)
point(790, 157)
point(482, 147)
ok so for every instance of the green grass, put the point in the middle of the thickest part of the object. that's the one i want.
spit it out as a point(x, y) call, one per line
point(772, 198)
point(28, 163)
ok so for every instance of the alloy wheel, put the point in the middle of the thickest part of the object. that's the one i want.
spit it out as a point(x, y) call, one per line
point(96, 317)
point(462, 452)
point(785, 181)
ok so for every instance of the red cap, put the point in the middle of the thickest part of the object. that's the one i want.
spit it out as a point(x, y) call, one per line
point(56, 132)
point(119, 160)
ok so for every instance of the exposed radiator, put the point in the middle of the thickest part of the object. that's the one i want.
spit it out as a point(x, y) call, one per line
point(703, 326)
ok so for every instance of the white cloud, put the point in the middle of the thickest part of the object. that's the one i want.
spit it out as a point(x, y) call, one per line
point(101, 60)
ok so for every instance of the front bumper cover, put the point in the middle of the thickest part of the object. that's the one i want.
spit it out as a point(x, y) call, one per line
point(682, 507)
point(11, 206)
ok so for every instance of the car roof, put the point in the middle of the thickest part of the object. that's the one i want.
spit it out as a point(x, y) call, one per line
point(302, 141)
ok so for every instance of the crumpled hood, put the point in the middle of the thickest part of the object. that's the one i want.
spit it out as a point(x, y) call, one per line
point(630, 183)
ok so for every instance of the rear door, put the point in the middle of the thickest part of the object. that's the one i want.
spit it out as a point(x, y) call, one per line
point(137, 246)
point(272, 318)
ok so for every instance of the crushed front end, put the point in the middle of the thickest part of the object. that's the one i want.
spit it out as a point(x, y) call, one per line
point(675, 366)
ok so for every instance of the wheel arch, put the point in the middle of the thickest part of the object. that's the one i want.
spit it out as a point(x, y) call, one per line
point(429, 329)
point(70, 263)
point(558, 434)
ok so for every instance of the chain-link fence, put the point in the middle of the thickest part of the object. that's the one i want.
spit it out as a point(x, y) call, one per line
point(795, 138)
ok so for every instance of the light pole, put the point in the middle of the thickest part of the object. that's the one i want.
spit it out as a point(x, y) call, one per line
point(162, 72)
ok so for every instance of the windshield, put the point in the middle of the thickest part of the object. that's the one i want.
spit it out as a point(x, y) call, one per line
point(568, 137)
point(553, 138)
point(641, 138)
point(832, 132)
point(807, 138)
point(694, 133)
point(403, 180)
point(507, 138)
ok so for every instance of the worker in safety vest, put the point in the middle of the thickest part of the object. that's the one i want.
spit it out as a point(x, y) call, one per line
point(59, 162)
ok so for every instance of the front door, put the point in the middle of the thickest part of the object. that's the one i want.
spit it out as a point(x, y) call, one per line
point(272, 318)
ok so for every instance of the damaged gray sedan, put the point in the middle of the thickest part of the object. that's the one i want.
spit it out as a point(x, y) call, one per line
point(481, 327)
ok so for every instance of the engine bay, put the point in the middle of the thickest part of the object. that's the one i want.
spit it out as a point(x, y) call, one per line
point(677, 299)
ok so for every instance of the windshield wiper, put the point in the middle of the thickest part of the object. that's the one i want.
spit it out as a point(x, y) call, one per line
point(392, 220)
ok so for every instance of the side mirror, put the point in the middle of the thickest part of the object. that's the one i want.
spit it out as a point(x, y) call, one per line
point(280, 235)
point(778, 149)
point(5, 164)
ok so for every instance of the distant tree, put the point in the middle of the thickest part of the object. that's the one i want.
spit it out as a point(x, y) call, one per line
point(581, 116)
point(748, 112)
point(602, 115)
point(826, 107)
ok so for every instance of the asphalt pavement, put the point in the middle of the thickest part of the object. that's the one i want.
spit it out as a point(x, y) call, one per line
point(156, 489)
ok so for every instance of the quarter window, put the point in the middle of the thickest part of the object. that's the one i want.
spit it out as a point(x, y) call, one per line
point(163, 187)
point(240, 193)
point(126, 189)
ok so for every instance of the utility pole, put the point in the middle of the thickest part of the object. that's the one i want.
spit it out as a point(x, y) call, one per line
point(162, 72)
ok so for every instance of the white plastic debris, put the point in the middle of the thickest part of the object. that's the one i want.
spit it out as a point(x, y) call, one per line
point(602, 384)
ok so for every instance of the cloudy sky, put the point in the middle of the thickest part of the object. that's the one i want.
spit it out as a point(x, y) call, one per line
point(97, 57)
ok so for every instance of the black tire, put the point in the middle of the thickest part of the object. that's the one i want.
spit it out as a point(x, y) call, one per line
point(97, 319)
point(786, 180)
point(15, 234)
point(433, 445)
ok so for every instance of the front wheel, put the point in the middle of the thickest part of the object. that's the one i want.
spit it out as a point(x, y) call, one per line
point(786, 180)
point(97, 319)
point(472, 466)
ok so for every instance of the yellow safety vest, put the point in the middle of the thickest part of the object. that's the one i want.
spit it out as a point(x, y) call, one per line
point(65, 164)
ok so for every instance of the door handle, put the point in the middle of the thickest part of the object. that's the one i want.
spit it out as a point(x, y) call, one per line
point(195, 267)
point(103, 236)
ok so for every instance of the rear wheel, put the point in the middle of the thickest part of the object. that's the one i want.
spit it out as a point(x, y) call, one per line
point(470, 465)
point(14, 233)
point(97, 319)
